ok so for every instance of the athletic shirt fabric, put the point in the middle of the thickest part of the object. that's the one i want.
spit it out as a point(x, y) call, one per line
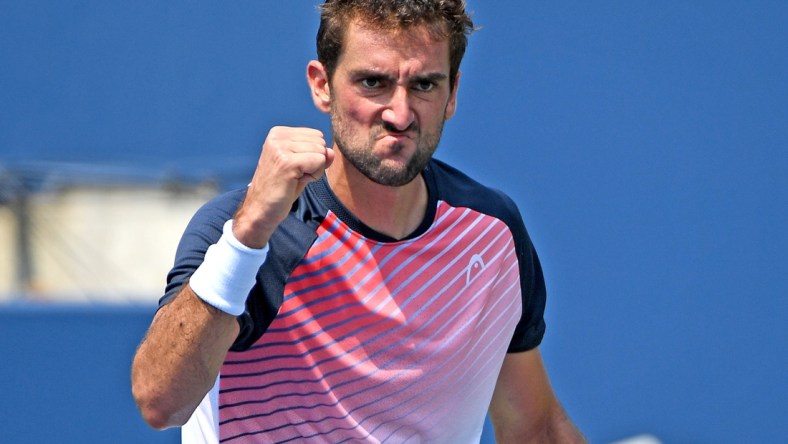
point(352, 336)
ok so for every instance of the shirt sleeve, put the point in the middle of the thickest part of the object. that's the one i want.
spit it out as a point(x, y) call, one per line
point(530, 329)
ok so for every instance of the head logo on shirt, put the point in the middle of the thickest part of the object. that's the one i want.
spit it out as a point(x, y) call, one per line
point(475, 266)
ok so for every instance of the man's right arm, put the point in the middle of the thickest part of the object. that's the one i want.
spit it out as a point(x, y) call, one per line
point(182, 353)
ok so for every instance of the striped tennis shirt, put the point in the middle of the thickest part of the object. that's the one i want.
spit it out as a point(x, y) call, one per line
point(352, 336)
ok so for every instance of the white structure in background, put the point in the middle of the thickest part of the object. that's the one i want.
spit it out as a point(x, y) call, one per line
point(94, 242)
point(639, 439)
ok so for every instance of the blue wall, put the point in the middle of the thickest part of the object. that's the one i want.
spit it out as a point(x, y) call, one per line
point(65, 375)
point(645, 142)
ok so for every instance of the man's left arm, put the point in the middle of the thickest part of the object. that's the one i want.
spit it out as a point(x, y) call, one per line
point(524, 408)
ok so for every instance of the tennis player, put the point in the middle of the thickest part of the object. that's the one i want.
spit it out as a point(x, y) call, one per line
point(358, 291)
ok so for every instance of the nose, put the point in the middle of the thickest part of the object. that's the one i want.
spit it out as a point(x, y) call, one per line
point(398, 114)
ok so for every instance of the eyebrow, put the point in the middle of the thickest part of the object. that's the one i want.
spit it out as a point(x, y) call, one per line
point(373, 74)
point(432, 77)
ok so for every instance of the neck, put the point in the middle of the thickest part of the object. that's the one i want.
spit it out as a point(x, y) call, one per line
point(393, 211)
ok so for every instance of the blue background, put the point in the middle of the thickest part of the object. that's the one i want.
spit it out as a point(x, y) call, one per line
point(645, 142)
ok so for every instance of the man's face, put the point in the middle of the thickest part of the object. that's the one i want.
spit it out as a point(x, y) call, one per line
point(390, 97)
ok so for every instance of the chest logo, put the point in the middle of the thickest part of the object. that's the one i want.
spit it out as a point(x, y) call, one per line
point(475, 266)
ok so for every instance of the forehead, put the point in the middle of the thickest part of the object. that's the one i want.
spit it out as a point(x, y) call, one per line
point(371, 46)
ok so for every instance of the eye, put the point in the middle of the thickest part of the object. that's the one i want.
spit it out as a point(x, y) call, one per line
point(371, 83)
point(424, 85)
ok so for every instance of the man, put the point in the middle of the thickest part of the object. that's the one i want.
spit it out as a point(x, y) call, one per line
point(366, 292)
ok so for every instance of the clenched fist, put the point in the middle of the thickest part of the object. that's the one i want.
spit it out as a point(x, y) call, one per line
point(291, 158)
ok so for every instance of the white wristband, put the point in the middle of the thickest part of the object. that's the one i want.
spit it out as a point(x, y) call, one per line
point(228, 272)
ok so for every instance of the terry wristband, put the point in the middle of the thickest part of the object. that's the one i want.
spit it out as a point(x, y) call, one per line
point(228, 272)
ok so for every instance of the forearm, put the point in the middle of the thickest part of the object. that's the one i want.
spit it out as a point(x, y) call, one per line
point(560, 429)
point(524, 408)
point(555, 428)
point(180, 358)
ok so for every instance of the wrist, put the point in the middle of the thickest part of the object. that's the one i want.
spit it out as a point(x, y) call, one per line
point(252, 233)
point(228, 272)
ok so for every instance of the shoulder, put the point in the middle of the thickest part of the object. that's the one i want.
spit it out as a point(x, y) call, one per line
point(460, 190)
point(457, 189)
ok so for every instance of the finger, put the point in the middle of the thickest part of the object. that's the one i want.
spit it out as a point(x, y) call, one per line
point(313, 164)
point(329, 156)
point(307, 147)
point(297, 134)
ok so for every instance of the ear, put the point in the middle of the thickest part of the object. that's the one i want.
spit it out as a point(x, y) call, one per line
point(317, 77)
point(451, 105)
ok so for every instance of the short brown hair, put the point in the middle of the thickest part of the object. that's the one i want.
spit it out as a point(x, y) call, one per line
point(444, 19)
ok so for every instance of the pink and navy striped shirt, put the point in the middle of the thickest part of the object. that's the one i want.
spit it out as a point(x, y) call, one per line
point(350, 336)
